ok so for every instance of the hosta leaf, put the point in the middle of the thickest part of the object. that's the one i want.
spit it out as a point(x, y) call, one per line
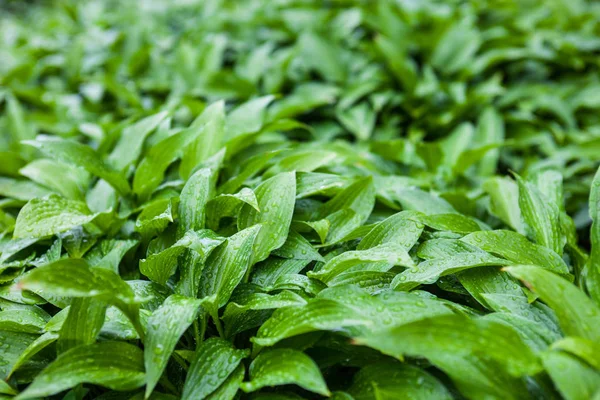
point(83, 323)
point(212, 123)
point(49, 216)
point(577, 314)
point(318, 315)
point(399, 228)
point(573, 379)
point(389, 380)
point(276, 198)
point(129, 146)
point(214, 361)
point(165, 326)
point(115, 365)
point(194, 196)
point(151, 170)
point(282, 367)
point(22, 190)
point(82, 156)
point(160, 266)
point(297, 247)
point(226, 266)
point(585, 349)
point(14, 345)
point(358, 197)
point(540, 216)
point(34, 347)
point(228, 205)
point(441, 338)
point(593, 269)
point(504, 201)
point(390, 253)
point(516, 248)
point(230, 387)
point(74, 278)
point(430, 271)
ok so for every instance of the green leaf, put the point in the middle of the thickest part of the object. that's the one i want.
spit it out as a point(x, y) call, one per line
point(14, 344)
point(276, 198)
point(151, 170)
point(430, 271)
point(577, 314)
point(82, 156)
point(389, 253)
point(291, 321)
point(160, 266)
point(297, 247)
point(390, 380)
point(230, 387)
point(131, 140)
point(518, 249)
point(585, 349)
point(283, 367)
point(22, 190)
point(504, 201)
point(49, 216)
point(446, 337)
point(192, 204)
point(74, 278)
point(573, 379)
point(593, 268)
point(540, 216)
point(214, 361)
point(83, 323)
point(165, 326)
point(115, 365)
point(229, 205)
point(226, 267)
point(399, 229)
point(34, 347)
point(212, 123)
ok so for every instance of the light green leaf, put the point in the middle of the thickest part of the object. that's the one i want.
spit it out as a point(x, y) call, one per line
point(585, 349)
point(430, 271)
point(516, 248)
point(276, 198)
point(540, 216)
point(212, 123)
point(34, 347)
point(593, 268)
point(399, 229)
point(82, 156)
point(317, 315)
point(115, 365)
point(577, 314)
point(131, 140)
point(165, 326)
point(283, 367)
point(214, 361)
point(573, 379)
point(389, 253)
point(151, 170)
point(49, 216)
point(192, 204)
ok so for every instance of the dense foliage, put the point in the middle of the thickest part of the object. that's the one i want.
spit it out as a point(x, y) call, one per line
point(292, 199)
